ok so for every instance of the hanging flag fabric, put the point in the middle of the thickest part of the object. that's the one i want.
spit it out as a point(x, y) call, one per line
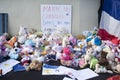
point(109, 27)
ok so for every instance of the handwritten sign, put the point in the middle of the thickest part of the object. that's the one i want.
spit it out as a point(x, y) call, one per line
point(54, 16)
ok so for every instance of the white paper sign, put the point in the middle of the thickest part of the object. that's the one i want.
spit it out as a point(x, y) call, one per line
point(84, 74)
point(7, 66)
point(53, 16)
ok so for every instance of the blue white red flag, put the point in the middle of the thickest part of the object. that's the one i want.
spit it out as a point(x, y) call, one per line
point(109, 27)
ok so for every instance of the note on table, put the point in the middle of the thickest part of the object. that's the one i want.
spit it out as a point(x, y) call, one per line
point(7, 65)
point(84, 74)
point(66, 78)
point(51, 70)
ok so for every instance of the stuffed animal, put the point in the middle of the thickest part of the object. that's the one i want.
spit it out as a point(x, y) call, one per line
point(80, 37)
point(111, 57)
point(10, 43)
point(14, 53)
point(103, 61)
point(2, 46)
point(97, 51)
point(72, 40)
point(95, 31)
point(37, 42)
point(65, 41)
point(26, 59)
point(117, 54)
point(34, 65)
point(22, 31)
point(66, 55)
point(87, 33)
point(82, 62)
point(101, 69)
point(22, 34)
point(29, 42)
point(27, 49)
point(88, 56)
point(22, 39)
point(93, 62)
point(103, 65)
point(66, 58)
point(118, 68)
point(58, 49)
point(37, 55)
point(51, 40)
point(50, 56)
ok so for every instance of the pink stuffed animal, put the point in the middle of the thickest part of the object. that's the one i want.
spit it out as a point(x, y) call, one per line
point(66, 58)
point(66, 55)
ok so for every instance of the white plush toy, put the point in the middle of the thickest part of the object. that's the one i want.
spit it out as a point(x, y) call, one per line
point(111, 57)
point(57, 48)
point(101, 69)
point(65, 41)
point(22, 35)
point(88, 55)
point(118, 68)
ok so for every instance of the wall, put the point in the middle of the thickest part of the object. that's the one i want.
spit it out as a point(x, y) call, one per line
point(27, 12)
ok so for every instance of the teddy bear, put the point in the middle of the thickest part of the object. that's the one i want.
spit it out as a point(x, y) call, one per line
point(80, 37)
point(103, 65)
point(66, 57)
point(102, 69)
point(34, 65)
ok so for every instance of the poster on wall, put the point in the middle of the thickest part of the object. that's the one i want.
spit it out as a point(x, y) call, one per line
point(55, 16)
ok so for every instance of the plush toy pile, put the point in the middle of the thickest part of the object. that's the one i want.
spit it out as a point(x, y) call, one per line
point(32, 48)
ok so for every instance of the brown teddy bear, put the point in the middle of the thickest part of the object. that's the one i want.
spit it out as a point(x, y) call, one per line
point(80, 37)
point(34, 65)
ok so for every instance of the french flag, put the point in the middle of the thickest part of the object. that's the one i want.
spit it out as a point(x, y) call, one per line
point(109, 28)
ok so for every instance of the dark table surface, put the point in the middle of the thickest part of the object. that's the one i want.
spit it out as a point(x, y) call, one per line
point(37, 75)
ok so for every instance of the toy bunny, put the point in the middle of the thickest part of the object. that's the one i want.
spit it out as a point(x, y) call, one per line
point(23, 34)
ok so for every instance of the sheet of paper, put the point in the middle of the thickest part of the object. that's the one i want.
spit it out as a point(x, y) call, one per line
point(84, 74)
point(65, 70)
point(51, 70)
point(74, 74)
point(7, 66)
point(66, 78)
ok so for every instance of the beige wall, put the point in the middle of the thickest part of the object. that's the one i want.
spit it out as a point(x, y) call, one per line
point(27, 12)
